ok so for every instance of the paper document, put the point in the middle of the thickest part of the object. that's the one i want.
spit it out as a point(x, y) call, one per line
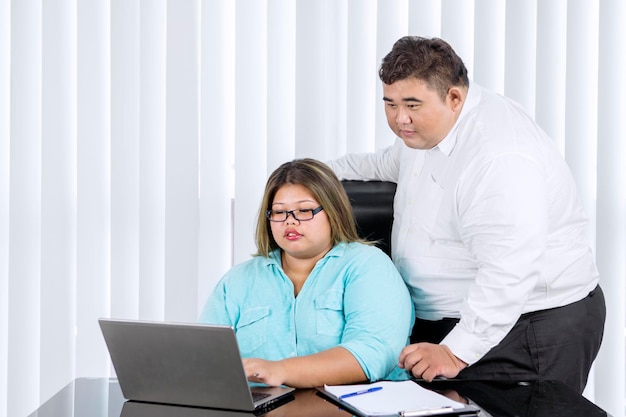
point(392, 399)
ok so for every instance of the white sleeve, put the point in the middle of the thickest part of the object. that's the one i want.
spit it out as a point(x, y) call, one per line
point(382, 165)
point(503, 220)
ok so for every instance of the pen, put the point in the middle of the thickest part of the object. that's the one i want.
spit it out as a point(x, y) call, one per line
point(426, 412)
point(365, 391)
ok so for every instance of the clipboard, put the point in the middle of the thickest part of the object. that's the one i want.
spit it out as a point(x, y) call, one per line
point(394, 399)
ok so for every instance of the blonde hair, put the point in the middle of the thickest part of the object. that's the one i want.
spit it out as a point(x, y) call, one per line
point(325, 187)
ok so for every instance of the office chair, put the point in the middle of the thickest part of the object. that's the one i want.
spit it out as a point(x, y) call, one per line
point(372, 203)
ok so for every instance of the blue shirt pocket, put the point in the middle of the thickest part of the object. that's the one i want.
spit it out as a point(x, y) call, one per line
point(251, 329)
point(329, 317)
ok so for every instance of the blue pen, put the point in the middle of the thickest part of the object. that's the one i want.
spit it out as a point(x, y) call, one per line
point(365, 391)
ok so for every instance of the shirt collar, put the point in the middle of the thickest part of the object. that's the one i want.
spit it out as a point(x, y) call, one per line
point(336, 251)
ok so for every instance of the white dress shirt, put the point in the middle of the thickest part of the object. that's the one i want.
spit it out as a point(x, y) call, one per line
point(487, 224)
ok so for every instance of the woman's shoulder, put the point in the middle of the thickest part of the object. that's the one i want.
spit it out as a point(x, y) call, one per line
point(369, 247)
point(252, 266)
point(366, 251)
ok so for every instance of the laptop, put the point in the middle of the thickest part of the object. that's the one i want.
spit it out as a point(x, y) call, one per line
point(184, 364)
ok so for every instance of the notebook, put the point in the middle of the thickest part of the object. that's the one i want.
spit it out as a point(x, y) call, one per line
point(184, 364)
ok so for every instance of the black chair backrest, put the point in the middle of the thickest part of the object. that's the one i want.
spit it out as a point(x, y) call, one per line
point(372, 203)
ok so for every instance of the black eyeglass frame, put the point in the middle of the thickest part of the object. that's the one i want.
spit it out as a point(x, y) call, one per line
point(268, 214)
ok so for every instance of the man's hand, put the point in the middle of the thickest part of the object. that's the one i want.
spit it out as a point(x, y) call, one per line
point(427, 360)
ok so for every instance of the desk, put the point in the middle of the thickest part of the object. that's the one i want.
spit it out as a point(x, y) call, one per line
point(101, 397)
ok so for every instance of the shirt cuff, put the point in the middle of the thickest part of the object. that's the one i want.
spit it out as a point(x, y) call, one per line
point(465, 345)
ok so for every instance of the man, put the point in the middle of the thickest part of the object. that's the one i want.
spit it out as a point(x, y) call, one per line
point(488, 233)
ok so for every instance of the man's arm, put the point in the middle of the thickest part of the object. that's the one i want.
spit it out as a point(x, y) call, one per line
point(503, 219)
point(382, 165)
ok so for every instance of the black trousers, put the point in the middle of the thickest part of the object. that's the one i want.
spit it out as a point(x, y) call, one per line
point(555, 344)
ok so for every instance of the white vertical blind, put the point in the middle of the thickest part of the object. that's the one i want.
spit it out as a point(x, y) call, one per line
point(424, 18)
point(182, 159)
point(217, 147)
point(125, 135)
point(321, 87)
point(24, 306)
point(361, 63)
point(310, 82)
point(152, 60)
point(136, 137)
point(520, 53)
point(457, 27)
point(5, 105)
point(93, 207)
point(331, 37)
point(281, 82)
point(551, 64)
point(581, 78)
point(58, 194)
point(489, 41)
point(611, 204)
point(250, 120)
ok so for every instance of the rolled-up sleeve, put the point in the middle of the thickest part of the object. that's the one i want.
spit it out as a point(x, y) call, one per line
point(378, 312)
point(215, 310)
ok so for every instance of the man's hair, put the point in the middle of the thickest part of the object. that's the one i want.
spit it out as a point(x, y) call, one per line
point(325, 188)
point(430, 60)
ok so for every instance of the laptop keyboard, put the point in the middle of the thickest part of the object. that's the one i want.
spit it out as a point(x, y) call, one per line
point(256, 396)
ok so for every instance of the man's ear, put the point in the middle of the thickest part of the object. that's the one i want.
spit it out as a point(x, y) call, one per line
point(455, 98)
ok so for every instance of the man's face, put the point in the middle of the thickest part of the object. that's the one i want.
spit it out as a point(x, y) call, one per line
point(417, 114)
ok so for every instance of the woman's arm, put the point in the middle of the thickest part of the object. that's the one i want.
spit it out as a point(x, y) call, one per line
point(332, 366)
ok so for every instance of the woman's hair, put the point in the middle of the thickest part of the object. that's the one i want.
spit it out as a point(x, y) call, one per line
point(324, 186)
point(430, 60)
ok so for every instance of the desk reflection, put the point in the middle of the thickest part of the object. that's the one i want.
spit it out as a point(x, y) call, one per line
point(303, 402)
point(308, 403)
point(520, 399)
point(101, 397)
point(138, 409)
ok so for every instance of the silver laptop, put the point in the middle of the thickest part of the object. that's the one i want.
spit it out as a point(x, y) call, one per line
point(184, 364)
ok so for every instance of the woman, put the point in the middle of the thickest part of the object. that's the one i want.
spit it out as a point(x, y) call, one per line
point(316, 305)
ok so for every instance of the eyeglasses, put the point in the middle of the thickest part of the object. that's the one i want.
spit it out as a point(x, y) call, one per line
point(300, 214)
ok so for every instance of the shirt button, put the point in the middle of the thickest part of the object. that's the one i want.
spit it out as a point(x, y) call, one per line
point(292, 354)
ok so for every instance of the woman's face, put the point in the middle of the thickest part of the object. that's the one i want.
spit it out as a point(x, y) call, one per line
point(309, 239)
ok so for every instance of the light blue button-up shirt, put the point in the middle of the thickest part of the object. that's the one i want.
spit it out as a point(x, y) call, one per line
point(354, 298)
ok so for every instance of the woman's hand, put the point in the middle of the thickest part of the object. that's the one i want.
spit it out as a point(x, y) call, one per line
point(272, 373)
point(333, 366)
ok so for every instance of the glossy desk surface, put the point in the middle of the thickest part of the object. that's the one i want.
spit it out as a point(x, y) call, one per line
point(101, 397)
